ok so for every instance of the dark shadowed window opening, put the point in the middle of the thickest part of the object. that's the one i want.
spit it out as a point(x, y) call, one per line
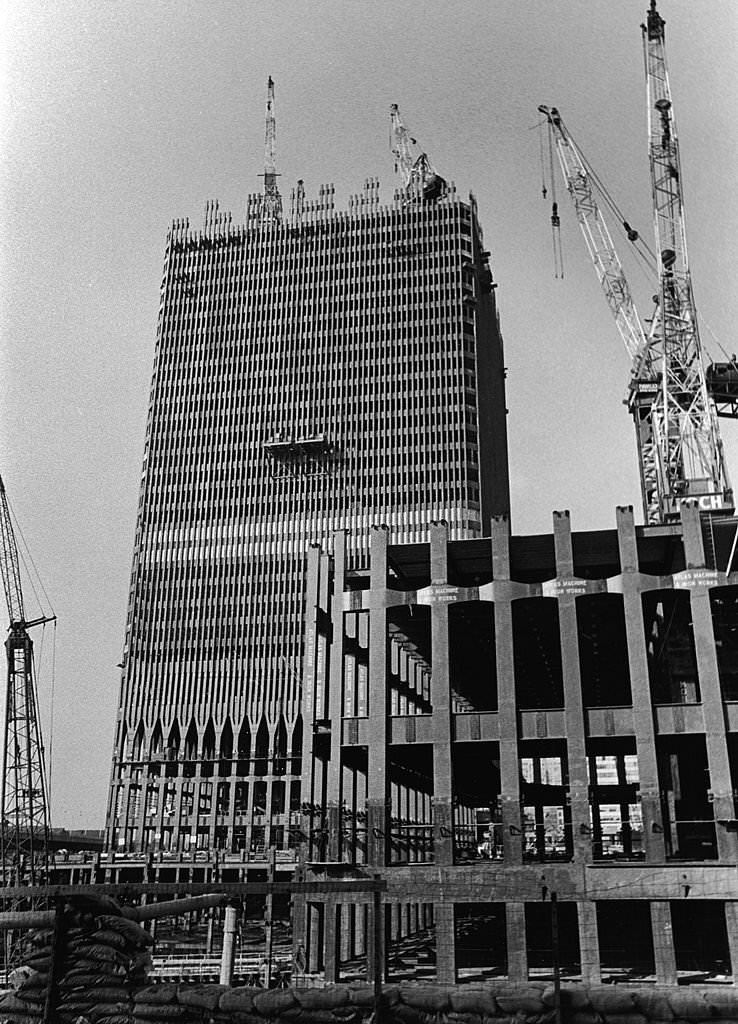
point(539, 938)
point(537, 653)
point(625, 938)
point(603, 651)
point(481, 940)
point(669, 636)
point(700, 937)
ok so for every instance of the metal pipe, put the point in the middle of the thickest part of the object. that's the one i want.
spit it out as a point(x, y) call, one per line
point(26, 919)
point(171, 908)
point(229, 942)
point(556, 956)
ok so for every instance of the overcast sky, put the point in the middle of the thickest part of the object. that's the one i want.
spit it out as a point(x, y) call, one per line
point(119, 117)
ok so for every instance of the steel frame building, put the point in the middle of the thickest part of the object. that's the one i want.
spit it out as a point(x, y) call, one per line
point(540, 715)
point(328, 371)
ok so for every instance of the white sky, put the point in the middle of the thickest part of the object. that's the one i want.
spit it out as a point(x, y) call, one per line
point(118, 117)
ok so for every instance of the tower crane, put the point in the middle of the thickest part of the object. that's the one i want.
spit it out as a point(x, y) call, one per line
point(421, 181)
point(271, 204)
point(683, 415)
point(24, 814)
point(680, 450)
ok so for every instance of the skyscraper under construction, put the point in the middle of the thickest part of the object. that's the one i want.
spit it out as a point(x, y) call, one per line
point(315, 369)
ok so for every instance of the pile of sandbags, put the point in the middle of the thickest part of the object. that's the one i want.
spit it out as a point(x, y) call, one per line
point(100, 960)
point(27, 998)
point(619, 1004)
point(217, 1004)
point(494, 1002)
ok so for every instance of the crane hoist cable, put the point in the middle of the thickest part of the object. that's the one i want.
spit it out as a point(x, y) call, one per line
point(640, 246)
point(558, 253)
point(544, 188)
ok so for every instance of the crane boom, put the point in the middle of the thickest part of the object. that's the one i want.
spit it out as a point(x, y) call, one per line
point(612, 279)
point(598, 239)
point(420, 180)
point(691, 459)
point(11, 568)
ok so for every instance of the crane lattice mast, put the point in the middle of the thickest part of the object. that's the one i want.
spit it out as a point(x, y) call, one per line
point(690, 458)
point(420, 180)
point(24, 815)
point(271, 204)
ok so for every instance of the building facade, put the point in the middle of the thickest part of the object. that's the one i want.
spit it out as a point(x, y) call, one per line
point(539, 716)
point(329, 371)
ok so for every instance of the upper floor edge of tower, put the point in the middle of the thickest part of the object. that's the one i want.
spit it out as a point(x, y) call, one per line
point(316, 217)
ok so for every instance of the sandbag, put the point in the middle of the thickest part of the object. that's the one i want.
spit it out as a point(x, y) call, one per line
point(159, 1011)
point(156, 994)
point(32, 995)
point(204, 997)
point(526, 999)
point(131, 930)
point(240, 1017)
point(104, 1012)
point(611, 999)
point(468, 999)
point(329, 998)
point(39, 962)
point(239, 999)
point(110, 937)
point(431, 998)
point(407, 1014)
point(573, 997)
point(307, 1016)
point(96, 994)
point(92, 950)
point(653, 1004)
point(91, 982)
point(361, 994)
point(269, 1002)
point(83, 965)
point(724, 1002)
point(689, 1004)
point(9, 1002)
point(346, 1014)
point(33, 998)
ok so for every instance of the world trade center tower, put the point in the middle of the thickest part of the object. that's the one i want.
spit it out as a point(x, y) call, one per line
point(315, 369)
